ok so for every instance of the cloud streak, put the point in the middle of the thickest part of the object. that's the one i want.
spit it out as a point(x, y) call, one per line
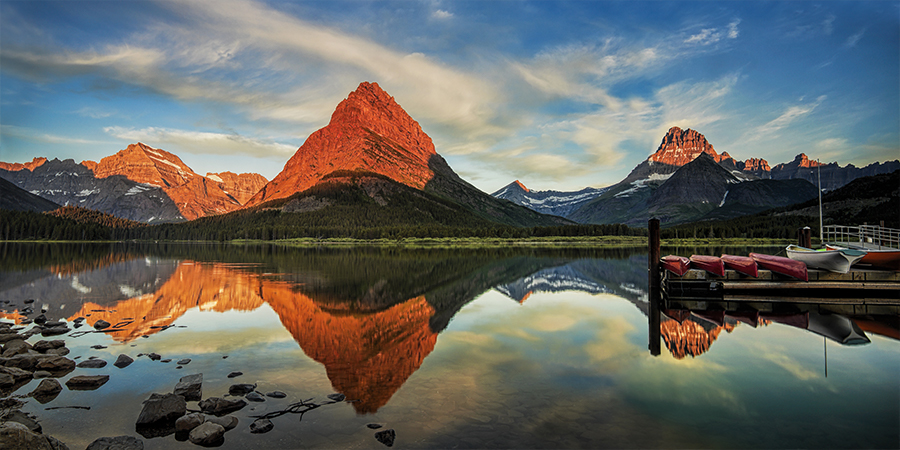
point(199, 142)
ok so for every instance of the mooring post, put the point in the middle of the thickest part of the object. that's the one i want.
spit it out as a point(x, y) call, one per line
point(804, 237)
point(655, 296)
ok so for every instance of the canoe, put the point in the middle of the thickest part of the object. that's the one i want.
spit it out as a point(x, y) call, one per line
point(799, 320)
point(679, 315)
point(715, 317)
point(881, 258)
point(782, 265)
point(832, 260)
point(711, 264)
point(741, 264)
point(678, 265)
point(749, 317)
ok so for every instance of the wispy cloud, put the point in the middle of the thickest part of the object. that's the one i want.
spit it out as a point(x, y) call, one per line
point(854, 39)
point(790, 115)
point(441, 14)
point(32, 135)
point(198, 142)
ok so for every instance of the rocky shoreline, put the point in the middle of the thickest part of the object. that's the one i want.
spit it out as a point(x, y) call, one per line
point(162, 414)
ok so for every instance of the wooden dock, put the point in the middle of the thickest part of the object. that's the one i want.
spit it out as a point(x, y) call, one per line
point(875, 287)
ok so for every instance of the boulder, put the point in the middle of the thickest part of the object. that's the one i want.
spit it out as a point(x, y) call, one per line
point(16, 373)
point(48, 387)
point(207, 434)
point(229, 422)
point(92, 364)
point(101, 324)
point(241, 389)
point(15, 347)
point(6, 336)
point(386, 437)
point(123, 361)
point(55, 364)
point(116, 443)
point(62, 351)
point(190, 387)
point(219, 406)
point(162, 408)
point(188, 422)
point(255, 397)
point(15, 436)
point(55, 331)
point(86, 382)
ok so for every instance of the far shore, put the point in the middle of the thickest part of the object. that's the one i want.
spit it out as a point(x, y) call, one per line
point(467, 242)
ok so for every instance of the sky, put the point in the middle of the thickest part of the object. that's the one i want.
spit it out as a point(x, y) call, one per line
point(559, 95)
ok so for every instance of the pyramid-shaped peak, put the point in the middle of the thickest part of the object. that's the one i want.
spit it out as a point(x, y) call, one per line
point(522, 186)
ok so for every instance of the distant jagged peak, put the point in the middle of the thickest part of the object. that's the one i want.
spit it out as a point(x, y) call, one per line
point(15, 167)
point(679, 147)
point(144, 164)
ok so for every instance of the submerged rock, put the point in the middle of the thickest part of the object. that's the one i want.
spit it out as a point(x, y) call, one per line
point(276, 394)
point(47, 388)
point(241, 389)
point(101, 324)
point(255, 397)
point(261, 426)
point(219, 406)
point(116, 443)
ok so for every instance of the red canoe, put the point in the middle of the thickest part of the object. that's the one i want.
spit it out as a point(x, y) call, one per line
point(711, 264)
point(742, 264)
point(782, 265)
point(678, 265)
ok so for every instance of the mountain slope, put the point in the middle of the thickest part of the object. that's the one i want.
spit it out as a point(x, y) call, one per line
point(557, 203)
point(370, 132)
point(15, 198)
point(195, 195)
point(68, 183)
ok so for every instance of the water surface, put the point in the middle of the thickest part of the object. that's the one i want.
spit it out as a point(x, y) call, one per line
point(451, 349)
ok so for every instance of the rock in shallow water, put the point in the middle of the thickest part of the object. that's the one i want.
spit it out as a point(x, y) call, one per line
point(162, 407)
point(92, 364)
point(190, 387)
point(241, 389)
point(207, 434)
point(123, 361)
point(86, 382)
point(220, 406)
point(261, 426)
point(117, 443)
point(386, 437)
point(189, 422)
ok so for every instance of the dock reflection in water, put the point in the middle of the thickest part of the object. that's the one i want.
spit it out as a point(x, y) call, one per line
point(472, 349)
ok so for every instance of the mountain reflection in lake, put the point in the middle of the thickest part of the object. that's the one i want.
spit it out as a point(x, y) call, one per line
point(450, 348)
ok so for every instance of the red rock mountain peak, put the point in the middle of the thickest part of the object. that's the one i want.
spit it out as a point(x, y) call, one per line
point(679, 147)
point(368, 131)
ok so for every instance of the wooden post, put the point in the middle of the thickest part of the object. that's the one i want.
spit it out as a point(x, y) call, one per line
point(655, 296)
point(804, 237)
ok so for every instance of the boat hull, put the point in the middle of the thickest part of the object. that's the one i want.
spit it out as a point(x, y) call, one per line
point(883, 259)
point(832, 260)
point(711, 264)
point(782, 265)
point(741, 264)
point(678, 265)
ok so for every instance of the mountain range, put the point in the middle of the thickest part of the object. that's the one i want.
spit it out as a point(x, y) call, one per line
point(687, 180)
point(374, 166)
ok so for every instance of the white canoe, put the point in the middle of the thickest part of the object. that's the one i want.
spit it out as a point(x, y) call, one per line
point(833, 260)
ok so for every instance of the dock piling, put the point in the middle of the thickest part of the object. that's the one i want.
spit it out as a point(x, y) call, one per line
point(655, 296)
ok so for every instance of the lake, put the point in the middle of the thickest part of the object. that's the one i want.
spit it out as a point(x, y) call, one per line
point(469, 348)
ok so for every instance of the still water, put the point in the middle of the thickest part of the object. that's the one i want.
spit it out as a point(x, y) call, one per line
point(448, 348)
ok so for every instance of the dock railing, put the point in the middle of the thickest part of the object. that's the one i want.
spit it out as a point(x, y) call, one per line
point(865, 236)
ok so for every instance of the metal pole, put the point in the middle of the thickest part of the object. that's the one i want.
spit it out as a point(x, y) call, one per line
point(821, 228)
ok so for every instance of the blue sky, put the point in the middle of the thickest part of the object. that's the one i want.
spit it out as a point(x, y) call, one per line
point(560, 95)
